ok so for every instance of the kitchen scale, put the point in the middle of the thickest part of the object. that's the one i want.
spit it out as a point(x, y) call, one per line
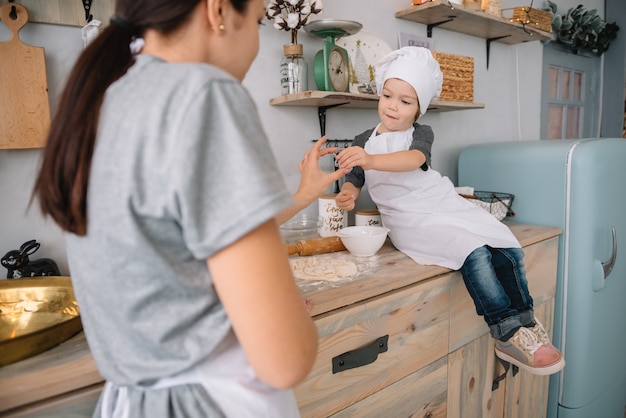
point(331, 65)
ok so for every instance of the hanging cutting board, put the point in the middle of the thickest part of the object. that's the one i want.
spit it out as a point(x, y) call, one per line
point(25, 115)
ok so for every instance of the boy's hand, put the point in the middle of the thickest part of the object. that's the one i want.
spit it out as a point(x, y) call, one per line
point(345, 200)
point(353, 156)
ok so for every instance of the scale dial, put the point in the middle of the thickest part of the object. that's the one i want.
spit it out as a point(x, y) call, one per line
point(338, 70)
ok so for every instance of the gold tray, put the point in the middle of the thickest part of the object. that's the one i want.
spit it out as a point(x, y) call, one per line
point(36, 314)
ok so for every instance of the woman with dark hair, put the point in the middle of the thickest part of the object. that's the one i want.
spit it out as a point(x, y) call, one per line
point(158, 169)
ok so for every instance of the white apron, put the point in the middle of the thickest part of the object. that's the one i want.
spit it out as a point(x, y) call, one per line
point(428, 220)
point(228, 378)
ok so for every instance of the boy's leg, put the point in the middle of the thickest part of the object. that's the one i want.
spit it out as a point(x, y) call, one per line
point(490, 295)
point(496, 280)
point(509, 266)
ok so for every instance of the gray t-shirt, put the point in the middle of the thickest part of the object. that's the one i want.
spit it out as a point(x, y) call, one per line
point(182, 168)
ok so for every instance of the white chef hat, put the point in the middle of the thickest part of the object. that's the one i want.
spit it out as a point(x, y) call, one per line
point(416, 66)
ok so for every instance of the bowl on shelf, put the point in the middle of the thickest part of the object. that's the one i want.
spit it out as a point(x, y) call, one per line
point(363, 241)
point(302, 226)
point(36, 314)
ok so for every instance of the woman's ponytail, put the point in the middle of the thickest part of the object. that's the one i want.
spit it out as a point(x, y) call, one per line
point(61, 184)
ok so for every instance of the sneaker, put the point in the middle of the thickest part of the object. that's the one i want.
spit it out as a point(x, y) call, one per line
point(525, 350)
point(541, 333)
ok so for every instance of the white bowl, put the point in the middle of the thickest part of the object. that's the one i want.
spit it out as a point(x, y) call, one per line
point(363, 241)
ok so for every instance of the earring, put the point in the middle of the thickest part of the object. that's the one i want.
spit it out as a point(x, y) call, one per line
point(221, 27)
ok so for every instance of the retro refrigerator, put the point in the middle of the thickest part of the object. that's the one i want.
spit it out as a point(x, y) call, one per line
point(578, 185)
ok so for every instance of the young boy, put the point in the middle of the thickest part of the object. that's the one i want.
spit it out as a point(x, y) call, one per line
point(430, 222)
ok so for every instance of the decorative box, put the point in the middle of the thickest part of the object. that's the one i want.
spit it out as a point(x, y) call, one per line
point(538, 19)
point(458, 77)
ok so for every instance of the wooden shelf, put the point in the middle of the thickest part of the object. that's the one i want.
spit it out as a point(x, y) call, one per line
point(450, 16)
point(322, 99)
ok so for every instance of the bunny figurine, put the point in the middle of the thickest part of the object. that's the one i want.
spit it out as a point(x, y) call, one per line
point(19, 265)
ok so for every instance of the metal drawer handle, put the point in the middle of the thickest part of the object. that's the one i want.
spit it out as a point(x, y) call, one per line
point(361, 356)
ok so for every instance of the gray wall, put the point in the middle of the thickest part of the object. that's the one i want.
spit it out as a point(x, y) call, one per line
point(613, 110)
point(510, 90)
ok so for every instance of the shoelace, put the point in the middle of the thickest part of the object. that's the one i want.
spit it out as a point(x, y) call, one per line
point(527, 339)
point(540, 332)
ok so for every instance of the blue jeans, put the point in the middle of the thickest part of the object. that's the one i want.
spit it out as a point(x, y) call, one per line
point(496, 280)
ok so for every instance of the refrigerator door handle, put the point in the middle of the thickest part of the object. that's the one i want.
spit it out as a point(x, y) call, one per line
point(607, 266)
point(604, 268)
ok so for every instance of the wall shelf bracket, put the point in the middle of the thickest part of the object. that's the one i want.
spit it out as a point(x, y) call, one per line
point(321, 114)
point(489, 41)
point(429, 27)
point(87, 7)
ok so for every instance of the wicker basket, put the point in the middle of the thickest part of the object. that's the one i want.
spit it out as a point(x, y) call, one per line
point(538, 19)
point(458, 77)
point(498, 204)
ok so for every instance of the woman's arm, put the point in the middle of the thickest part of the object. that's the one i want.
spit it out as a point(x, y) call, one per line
point(255, 283)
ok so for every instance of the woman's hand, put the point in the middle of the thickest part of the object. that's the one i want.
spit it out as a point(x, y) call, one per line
point(313, 181)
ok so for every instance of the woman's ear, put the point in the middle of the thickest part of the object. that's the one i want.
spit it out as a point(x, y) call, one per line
point(215, 14)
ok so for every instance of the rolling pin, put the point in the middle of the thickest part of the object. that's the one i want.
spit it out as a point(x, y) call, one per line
point(316, 246)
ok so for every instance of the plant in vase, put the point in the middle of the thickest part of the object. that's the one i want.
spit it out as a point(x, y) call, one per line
point(582, 30)
point(290, 16)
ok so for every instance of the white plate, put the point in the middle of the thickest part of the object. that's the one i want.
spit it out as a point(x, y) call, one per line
point(365, 50)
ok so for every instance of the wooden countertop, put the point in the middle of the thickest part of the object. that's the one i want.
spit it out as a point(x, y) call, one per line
point(70, 365)
point(390, 269)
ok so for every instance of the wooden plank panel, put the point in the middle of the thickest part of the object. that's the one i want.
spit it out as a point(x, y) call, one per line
point(62, 369)
point(541, 268)
point(471, 370)
point(25, 116)
point(421, 394)
point(416, 320)
point(80, 403)
point(465, 324)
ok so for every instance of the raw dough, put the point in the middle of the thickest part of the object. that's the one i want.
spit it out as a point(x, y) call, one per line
point(311, 268)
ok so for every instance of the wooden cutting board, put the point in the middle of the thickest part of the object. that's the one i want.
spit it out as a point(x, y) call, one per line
point(25, 109)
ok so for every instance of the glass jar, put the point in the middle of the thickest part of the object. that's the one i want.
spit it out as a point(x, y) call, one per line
point(293, 70)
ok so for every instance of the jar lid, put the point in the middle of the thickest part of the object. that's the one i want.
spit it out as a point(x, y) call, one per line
point(292, 49)
point(367, 212)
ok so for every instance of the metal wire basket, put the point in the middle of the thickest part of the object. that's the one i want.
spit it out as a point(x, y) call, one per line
point(497, 203)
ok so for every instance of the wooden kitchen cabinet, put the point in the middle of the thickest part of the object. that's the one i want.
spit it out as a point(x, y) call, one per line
point(440, 359)
point(414, 319)
point(425, 351)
